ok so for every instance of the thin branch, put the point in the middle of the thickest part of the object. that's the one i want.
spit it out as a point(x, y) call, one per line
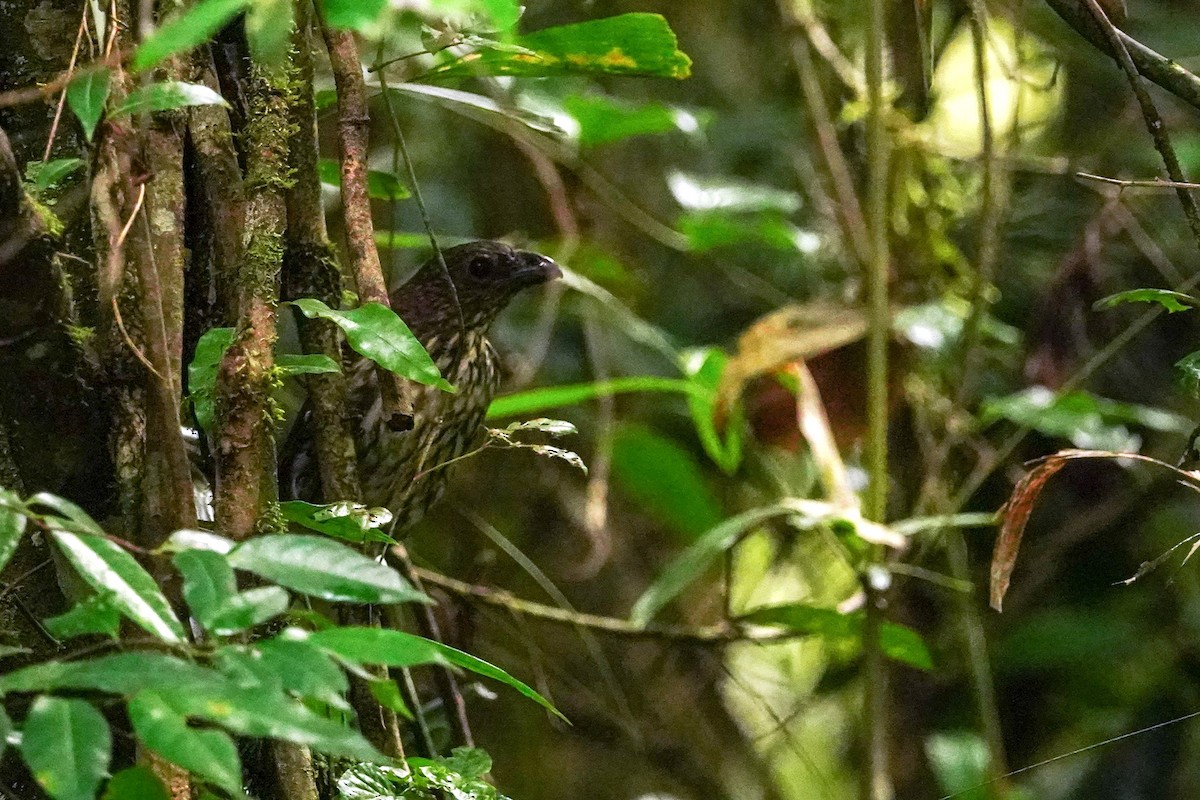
point(353, 128)
point(1155, 183)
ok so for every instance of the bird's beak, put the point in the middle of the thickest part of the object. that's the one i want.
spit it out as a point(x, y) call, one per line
point(536, 269)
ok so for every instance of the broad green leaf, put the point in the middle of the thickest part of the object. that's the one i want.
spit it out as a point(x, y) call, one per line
point(72, 517)
point(199, 540)
point(67, 745)
point(701, 193)
point(290, 364)
point(195, 26)
point(135, 783)
point(269, 26)
point(210, 754)
point(399, 649)
point(109, 569)
point(665, 480)
point(387, 693)
point(458, 776)
point(475, 106)
point(87, 94)
point(691, 563)
point(254, 711)
point(1189, 373)
point(12, 526)
point(704, 366)
point(503, 13)
point(95, 614)
point(168, 96)
point(119, 673)
point(380, 185)
point(349, 522)
point(537, 400)
point(602, 120)
point(202, 373)
point(45, 175)
point(320, 567)
point(629, 44)
point(1088, 421)
point(296, 666)
point(359, 15)
point(376, 332)
point(709, 230)
point(896, 641)
point(208, 581)
point(246, 609)
point(1171, 301)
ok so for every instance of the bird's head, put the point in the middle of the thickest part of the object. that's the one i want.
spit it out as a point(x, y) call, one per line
point(486, 275)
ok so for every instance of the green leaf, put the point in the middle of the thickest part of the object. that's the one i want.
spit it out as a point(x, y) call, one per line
point(1189, 374)
point(387, 693)
point(294, 665)
point(195, 26)
point(538, 400)
point(349, 522)
point(1171, 301)
point(253, 711)
point(208, 581)
point(470, 104)
point(249, 608)
point(691, 563)
point(167, 96)
point(110, 570)
point(320, 567)
point(630, 44)
point(399, 649)
point(380, 185)
point(710, 230)
point(136, 782)
point(1088, 421)
point(87, 94)
point(12, 526)
point(95, 614)
point(45, 175)
point(202, 373)
point(359, 15)
point(269, 25)
point(603, 120)
point(212, 755)
point(665, 480)
point(290, 364)
point(896, 641)
point(67, 745)
point(119, 673)
point(960, 762)
point(199, 540)
point(705, 366)
point(376, 332)
point(70, 516)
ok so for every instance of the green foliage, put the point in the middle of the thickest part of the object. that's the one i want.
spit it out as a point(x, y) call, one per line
point(603, 120)
point(629, 44)
point(896, 641)
point(44, 176)
point(269, 26)
point(350, 522)
point(1086, 420)
point(460, 775)
point(193, 27)
point(665, 480)
point(378, 333)
point(87, 94)
point(67, 745)
point(185, 702)
point(135, 782)
point(380, 185)
point(167, 96)
point(1171, 301)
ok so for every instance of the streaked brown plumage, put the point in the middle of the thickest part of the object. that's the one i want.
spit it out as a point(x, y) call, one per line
point(402, 471)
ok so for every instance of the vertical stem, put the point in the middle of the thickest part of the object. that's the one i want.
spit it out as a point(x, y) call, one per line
point(876, 783)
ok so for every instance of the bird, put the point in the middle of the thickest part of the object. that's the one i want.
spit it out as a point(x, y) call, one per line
point(450, 311)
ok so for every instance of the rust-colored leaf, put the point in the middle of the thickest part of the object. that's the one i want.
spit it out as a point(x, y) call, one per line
point(1015, 514)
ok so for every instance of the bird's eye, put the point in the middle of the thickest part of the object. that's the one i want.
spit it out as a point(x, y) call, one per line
point(480, 267)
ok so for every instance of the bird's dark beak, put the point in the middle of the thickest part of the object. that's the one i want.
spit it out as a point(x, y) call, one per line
point(536, 269)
